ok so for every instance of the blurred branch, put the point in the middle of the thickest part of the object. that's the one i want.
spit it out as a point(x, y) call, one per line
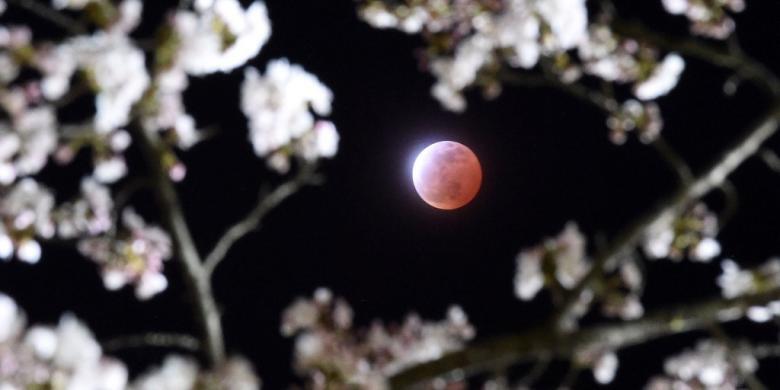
point(535, 80)
point(732, 203)
point(153, 340)
point(266, 203)
point(196, 278)
point(712, 177)
point(57, 18)
point(613, 336)
point(735, 60)
point(535, 372)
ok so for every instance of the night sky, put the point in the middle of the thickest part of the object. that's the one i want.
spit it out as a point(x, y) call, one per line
point(365, 234)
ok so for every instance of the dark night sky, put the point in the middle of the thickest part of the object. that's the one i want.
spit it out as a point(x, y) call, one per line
point(365, 234)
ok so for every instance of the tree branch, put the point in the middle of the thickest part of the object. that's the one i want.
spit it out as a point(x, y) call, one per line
point(265, 204)
point(153, 340)
point(712, 177)
point(57, 18)
point(613, 336)
point(195, 275)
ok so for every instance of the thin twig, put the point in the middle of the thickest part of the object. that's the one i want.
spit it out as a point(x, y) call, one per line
point(153, 340)
point(196, 278)
point(613, 336)
point(731, 196)
point(571, 376)
point(61, 20)
point(265, 204)
point(535, 372)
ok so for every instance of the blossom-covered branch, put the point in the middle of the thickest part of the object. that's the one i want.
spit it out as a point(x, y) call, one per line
point(712, 177)
point(525, 346)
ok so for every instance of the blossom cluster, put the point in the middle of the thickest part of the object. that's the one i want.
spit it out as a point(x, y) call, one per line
point(180, 373)
point(708, 18)
point(132, 93)
point(691, 234)
point(561, 262)
point(281, 124)
point(472, 43)
point(331, 354)
point(67, 356)
point(132, 255)
point(735, 281)
point(711, 365)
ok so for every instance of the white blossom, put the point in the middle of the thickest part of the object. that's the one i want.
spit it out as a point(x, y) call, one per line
point(529, 278)
point(203, 49)
point(27, 208)
point(176, 373)
point(735, 281)
point(119, 73)
point(278, 106)
point(90, 214)
point(710, 365)
point(709, 18)
point(567, 252)
point(25, 146)
point(568, 21)
point(605, 368)
point(366, 359)
point(9, 317)
point(707, 249)
point(110, 170)
point(135, 256)
point(43, 341)
point(29, 251)
point(129, 16)
point(663, 79)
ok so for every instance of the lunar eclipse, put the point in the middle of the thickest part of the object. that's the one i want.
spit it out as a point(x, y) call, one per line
point(447, 175)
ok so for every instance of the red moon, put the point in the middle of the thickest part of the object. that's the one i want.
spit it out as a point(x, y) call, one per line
point(447, 175)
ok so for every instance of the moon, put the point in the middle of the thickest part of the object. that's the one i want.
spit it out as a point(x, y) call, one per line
point(447, 175)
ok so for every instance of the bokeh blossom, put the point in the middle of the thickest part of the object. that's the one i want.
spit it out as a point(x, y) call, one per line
point(710, 365)
point(281, 124)
point(329, 352)
point(134, 255)
point(691, 235)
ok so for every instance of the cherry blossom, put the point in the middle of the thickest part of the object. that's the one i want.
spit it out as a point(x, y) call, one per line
point(710, 365)
point(565, 255)
point(692, 233)
point(91, 214)
point(204, 48)
point(325, 341)
point(26, 208)
point(278, 106)
point(708, 18)
point(134, 255)
point(66, 356)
